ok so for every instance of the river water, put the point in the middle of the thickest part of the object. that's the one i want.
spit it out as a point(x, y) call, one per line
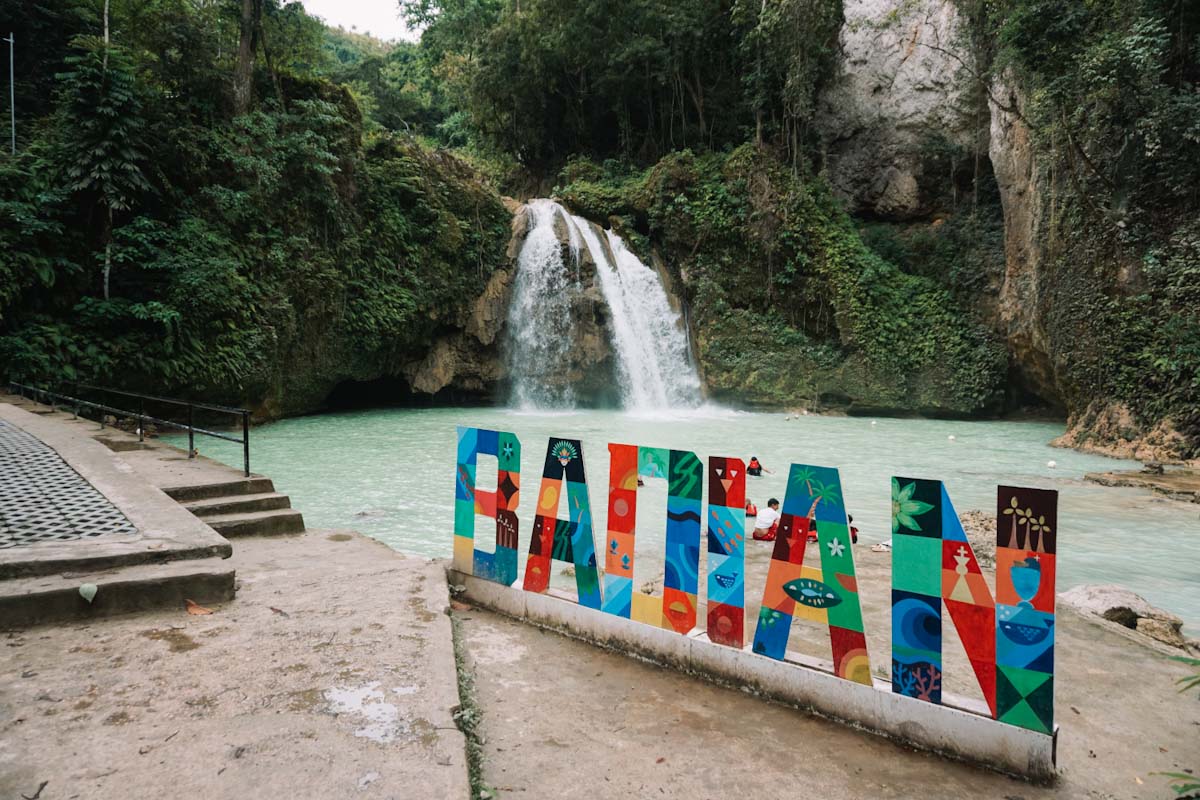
point(389, 473)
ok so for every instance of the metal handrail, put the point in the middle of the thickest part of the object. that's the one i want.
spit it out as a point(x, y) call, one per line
point(143, 417)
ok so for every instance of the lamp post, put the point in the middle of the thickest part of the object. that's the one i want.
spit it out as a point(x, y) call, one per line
point(12, 90)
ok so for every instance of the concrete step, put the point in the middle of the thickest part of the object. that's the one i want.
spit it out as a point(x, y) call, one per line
point(252, 485)
point(238, 504)
point(258, 523)
point(55, 598)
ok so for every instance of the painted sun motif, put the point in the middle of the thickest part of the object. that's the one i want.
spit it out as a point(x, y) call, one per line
point(565, 452)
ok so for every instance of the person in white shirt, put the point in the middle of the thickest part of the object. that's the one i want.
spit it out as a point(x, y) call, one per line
point(766, 524)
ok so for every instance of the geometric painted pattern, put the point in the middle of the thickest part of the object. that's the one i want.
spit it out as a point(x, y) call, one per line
point(676, 608)
point(917, 548)
point(828, 594)
point(570, 539)
point(500, 506)
point(1026, 547)
point(726, 531)
point(42, 499)
point(1009, 639)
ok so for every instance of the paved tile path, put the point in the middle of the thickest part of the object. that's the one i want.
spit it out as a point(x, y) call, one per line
point(43, 500)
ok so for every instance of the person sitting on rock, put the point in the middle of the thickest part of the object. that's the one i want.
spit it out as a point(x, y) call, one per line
point(766, 524)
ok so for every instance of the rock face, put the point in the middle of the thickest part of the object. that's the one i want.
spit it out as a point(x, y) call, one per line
point(1122, 606)
point(1021, 312)
point(903, 94)
point(1111, 429)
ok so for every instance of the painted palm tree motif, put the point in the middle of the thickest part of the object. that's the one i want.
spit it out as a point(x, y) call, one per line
point(822, 493)
point(904, 508)
point(1035, 527)
point(804, 475)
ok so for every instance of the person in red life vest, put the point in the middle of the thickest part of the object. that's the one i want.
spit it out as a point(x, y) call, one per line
point(751, 509)
point(853, 530)
point(766, 524)
point(755, 468)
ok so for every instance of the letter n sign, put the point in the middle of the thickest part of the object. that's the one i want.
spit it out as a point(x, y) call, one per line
point(500, 505)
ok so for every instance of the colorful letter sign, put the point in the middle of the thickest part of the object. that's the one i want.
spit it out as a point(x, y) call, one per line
point(1009, 641)
point(676, 609)
point(830, 594)
point(1026, 522)
point(500, 505)
point(726, 551)
point(568, 539)
point(1008, 638)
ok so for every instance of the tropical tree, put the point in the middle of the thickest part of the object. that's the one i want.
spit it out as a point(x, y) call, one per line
point(103, 152)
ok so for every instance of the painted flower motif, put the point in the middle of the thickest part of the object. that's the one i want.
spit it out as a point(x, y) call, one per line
point(507, 450)
point(836, 548)
point(904, 508)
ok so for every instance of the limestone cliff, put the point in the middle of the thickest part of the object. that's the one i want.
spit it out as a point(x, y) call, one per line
point(902, 90)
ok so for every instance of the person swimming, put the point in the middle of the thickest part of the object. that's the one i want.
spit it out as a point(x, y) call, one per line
point(755, 468)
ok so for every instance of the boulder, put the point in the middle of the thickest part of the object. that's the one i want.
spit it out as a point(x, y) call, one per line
point(1118, 604)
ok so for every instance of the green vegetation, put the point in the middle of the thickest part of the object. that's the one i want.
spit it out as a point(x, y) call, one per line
point(227, 198)
point(790, 307)
point(154, 235)
point(1114, 110)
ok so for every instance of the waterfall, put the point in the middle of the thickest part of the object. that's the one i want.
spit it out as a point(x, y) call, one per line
point(540, 314)
point(648, 337)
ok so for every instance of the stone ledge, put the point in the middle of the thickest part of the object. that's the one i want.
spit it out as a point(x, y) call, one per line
point(956, 729)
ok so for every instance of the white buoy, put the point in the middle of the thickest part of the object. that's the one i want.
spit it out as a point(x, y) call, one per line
point(951, 437)
point(1052, 464)
point(873, 422)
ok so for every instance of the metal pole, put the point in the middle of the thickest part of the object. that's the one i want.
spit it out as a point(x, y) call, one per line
point(191, 431)
point(141, 420)
point(246, 440)
point(12, 89)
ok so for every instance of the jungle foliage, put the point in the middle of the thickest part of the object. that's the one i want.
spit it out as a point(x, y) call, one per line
point(227, 187)
point(790, 306)
point(152, 236)
point(1112, 92)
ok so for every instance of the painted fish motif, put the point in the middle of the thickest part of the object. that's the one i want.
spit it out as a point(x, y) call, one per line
point(813, 594)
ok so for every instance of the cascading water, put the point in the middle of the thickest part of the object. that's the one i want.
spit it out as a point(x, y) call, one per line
point(539, 313)
point(647, 334)
point(654, 368)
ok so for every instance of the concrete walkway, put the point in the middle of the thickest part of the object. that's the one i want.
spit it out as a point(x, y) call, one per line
point(565, 719)
point(158, 530)
point(330, 675)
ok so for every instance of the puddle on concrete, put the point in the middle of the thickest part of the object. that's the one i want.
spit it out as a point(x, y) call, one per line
point(366, 704)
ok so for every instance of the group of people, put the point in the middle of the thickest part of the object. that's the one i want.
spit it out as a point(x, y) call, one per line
point(766, 520)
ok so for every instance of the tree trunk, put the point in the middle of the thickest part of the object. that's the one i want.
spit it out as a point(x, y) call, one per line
point(247, 45)
point(107, 250)
point(104, 65)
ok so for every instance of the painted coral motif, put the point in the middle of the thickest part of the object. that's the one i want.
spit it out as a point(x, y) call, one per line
point(922, 681)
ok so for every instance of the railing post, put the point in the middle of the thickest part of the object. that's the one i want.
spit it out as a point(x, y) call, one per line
point(141, 420)
point(246, 440)
point(191, 431)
